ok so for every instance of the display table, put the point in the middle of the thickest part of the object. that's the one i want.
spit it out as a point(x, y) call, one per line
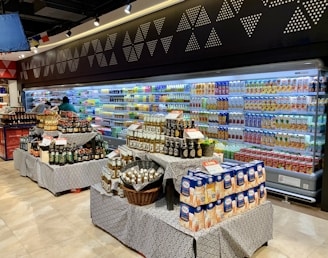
point(155, 232)
point(58, 179)
point(77, 138)
point(176, 168)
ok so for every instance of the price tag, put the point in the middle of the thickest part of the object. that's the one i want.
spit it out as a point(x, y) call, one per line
point(174, 114)
point(134, 127)
point(193, 134)
point(61, 141)
point(212, 167)
point(113, 154)
point(46, 140)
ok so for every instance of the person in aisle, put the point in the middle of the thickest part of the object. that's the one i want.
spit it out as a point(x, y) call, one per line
point(66, 106)
point(41, 107)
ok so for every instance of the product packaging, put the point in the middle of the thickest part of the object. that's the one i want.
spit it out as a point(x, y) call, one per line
point(192, 217)
point(192, 191)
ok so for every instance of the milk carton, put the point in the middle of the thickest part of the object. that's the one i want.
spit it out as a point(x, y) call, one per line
point(241, 206)
point(192, 191)
point(251, 198)
point(262, 193)
point(210, 215)
point(191, 217)
point(250, 170)
point(241, 179)
point(219, 210)
point(210, 192)
point(229, 206)
point(260, 174)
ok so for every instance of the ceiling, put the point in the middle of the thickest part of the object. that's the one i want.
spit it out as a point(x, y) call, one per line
point(56, 16)
point(35, 24)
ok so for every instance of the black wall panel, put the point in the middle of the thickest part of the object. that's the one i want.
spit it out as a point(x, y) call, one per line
point(192, 36)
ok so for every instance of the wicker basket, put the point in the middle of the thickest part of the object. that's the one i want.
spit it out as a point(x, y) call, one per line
point(141, 198)
point(147, 165)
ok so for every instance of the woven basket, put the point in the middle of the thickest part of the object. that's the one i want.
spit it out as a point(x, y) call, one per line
point(147, 165)
point(141, 198)
point(207, 149)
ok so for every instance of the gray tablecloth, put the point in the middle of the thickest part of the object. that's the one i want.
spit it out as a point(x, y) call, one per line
point(58, 178)
point(155, 232)
point(176, 168)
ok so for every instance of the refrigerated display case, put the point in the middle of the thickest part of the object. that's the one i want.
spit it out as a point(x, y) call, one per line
point(273, 112)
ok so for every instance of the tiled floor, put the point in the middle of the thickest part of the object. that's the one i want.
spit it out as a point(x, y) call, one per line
point(34, 223)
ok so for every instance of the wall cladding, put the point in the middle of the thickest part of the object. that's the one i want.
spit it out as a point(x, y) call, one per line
point(192, 31)
point(7, 69)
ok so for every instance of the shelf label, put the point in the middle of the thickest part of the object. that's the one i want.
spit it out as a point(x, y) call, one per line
point(287, 180)
point(212, 167)
point(61, 141)
point(134, 127)
point(193, 134)
point(175, 114)
point(46, 140)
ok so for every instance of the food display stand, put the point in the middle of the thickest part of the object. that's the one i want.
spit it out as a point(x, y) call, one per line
point(155, 232)
point(58, 179)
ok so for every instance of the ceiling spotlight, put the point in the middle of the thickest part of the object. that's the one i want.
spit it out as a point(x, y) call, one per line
point(96, 22)
point(127, 9)
point(68, 33)
point(34, 49)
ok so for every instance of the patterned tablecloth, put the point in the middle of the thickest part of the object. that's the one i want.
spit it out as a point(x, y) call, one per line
point(155, 232)
point(77, 138)
point(176, 168)
point(55, 178)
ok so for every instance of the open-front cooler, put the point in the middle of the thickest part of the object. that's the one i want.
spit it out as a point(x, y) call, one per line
point(271, 112)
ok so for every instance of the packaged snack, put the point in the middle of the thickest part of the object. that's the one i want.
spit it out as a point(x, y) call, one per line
point(260, 175)
point(250, 170)
point(240, 202)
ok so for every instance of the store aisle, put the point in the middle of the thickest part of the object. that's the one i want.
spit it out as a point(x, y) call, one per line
point(34, 223)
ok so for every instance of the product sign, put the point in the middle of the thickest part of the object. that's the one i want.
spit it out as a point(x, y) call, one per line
point(212, 167)
point(175, 114)
point(134, 127)
point(193, 134)
point(61, 141)
point(46, 140)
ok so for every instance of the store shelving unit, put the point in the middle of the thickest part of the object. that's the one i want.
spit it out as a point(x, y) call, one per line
point(240, 106)
point(4, 95)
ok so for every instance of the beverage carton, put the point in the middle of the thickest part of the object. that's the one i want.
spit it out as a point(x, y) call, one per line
point(250, 170)
point(260, 175)
point(219, 210)
point(241, 179)
point(192, 191)
point(229, 206)
point(210, 215)
point(262, 193)
point(210, 192)
point(191, 217)
point(225, 183)
point(251, 197)
point(241, 206)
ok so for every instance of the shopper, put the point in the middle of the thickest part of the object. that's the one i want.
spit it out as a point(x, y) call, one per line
point(66, 106)
point(41, 107)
